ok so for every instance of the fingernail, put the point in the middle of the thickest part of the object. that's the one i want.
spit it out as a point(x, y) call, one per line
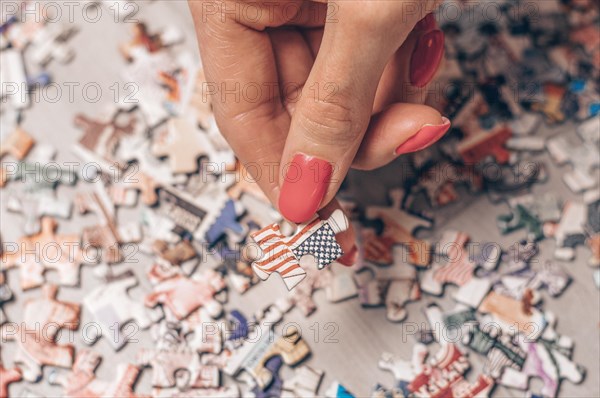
point(426, 24)
point(304, 187)
point(425, 137)
point(426, 57)
point(349, 258)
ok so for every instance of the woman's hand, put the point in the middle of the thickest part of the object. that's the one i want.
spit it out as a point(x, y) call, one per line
point(303, 90)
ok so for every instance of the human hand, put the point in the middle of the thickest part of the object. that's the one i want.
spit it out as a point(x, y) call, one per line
point(303, 90)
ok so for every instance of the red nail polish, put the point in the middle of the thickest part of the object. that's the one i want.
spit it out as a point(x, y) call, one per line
point(304, 187)
point(426, 24)
point(426, 57)
point(425, 137)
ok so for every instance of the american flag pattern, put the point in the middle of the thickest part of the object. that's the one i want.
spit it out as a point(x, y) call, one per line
point(281, 254)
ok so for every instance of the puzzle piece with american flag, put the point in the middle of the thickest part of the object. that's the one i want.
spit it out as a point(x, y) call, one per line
point(282, 254)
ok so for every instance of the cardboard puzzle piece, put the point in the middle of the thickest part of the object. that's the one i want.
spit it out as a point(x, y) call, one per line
point(237, 268)
point(481, 145)
point(459, 269)
point(226, 224)
point(5, 294)
point(179, 368)
point(569, 231)
point(304, 383)
point(338, 286)
point(440, 376)
point(253, 355)
point(81, 380)
point(16, 144)
point(107, 235)
point(183, 143)
point(47, 250)
point(501, 350)
point(36, 205)
point(193, 214)
point(43, 319)
point(142, 40)
point(443, 376)
point(282, 254)
point(182, 295)
point(549, 276)
point(124, 192)
point(403, 370)
point(101, 137)
point(439, 183)
point(530, 212)
point(584, 157)
point(13, 74)
point(442, 325)
point(39, 171)
point(273, 389)
point(393, 287)
point(545, 361)
point(8, 376)
point(514, 316)
point(400, 227)
point(114, 310)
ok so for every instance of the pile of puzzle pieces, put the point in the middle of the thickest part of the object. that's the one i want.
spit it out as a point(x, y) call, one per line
point(204, 231)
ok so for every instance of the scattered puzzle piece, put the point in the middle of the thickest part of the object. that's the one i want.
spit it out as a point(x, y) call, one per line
point(81, 381)
point(400, 227)
point(100, 141)
point(113, 309)
point(47, 251)
point(8, 376)
point(43, 318)
point(392, 286)
point(183, 295)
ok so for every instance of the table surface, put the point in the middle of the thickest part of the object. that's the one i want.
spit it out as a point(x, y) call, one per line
point(362, 334)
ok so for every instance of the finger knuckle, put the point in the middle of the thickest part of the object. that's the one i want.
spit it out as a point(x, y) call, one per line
point(329, 123)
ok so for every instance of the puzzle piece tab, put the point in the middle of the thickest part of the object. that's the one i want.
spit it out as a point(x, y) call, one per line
point(282, 254)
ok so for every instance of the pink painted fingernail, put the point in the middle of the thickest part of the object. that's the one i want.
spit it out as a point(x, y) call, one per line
point(304, 187)
point(425, 137)
point(426, 24)
point(426, 57)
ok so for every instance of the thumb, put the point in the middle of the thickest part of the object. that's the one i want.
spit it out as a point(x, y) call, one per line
point(333, 112)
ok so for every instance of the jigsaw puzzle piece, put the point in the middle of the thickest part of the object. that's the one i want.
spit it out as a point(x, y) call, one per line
point(47, 250)
point(281, 254)
point(81, 380)
point(43, 318)
point(113, 309)
point(393, 287)
point(304, 383)
point(182, 295)
point(400, 227)
point(514, 316)
point(8, 376)
point(36, 205)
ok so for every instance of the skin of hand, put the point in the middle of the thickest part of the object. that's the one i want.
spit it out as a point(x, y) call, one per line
point(303, 90)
